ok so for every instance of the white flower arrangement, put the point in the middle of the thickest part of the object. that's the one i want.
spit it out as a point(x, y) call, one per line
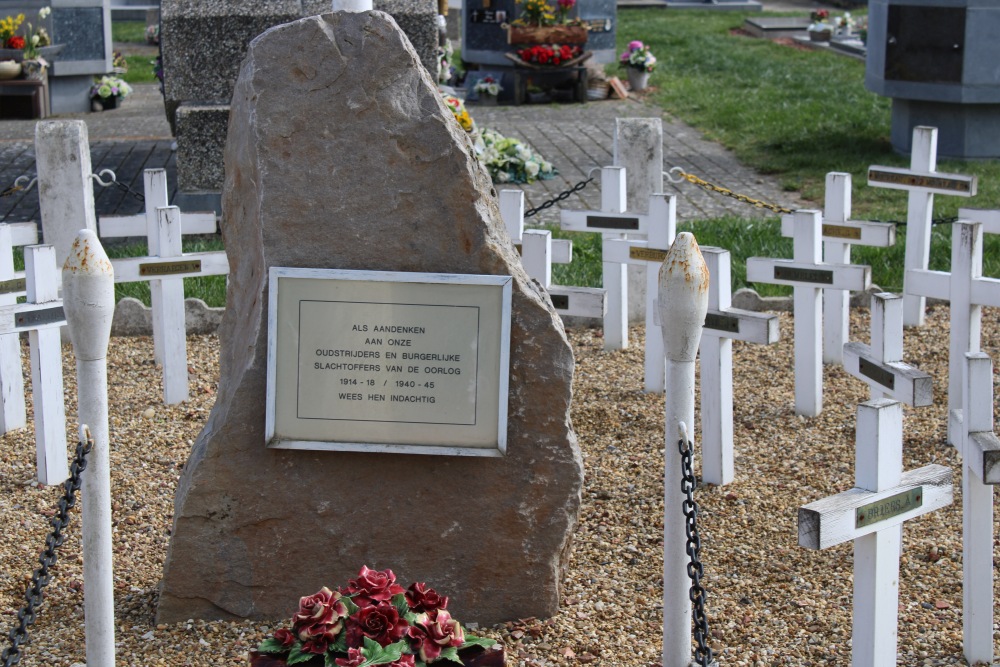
point(110, 86)
point(512, 161)
point(488, 86)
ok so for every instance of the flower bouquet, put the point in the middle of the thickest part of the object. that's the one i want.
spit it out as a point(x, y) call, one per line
point(510, 160)
point(637, 56)
point(374, 621)
point(108, 90)
point(820, 29)
point(487, 87)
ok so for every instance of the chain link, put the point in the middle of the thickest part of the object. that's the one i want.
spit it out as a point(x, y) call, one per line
point(726, 192)
point(40, 578)
point(560, 197)
point(113, 180)
point(695, 570)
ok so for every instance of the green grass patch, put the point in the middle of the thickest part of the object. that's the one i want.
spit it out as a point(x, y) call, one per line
point(140, 70)
point(128, 31)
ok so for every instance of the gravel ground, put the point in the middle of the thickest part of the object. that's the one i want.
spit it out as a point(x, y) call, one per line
point(770, 601)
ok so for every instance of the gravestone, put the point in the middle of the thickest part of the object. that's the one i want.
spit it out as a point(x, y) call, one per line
point(256, 528)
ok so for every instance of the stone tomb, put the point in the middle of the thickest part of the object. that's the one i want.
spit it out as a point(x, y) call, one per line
point(358, 165)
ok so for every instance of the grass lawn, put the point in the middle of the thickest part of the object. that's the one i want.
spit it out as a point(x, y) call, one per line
point(140, 69)
point(128, 31)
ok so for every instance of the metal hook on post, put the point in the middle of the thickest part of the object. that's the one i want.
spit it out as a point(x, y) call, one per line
point(669, 175)
point(105, 172)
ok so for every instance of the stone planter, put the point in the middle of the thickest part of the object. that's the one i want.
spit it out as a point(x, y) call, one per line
point(549, 34)
point(9, 69)
point(820, 35)
point(471, 657)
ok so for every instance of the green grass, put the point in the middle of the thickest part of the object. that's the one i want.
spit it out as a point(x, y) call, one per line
point(140, 70)
point(128, 31)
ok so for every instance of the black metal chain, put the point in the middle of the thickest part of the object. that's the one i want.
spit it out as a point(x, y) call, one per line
point(695, 570)
point(934, 221)
point(113, 180)
point(40, 578)
point(560, 197)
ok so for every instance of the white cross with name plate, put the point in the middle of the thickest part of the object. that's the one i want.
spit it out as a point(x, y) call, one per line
point(881, 364)
point(872, 514)
point(809, 276)
point(922, 181)
point(539, 251)
point(661, 227)
point(41, 317)
point(980, 450)
point(967, 291)
point(13, 414)
point(723, 325)
point(169, 266)
point(839, 234)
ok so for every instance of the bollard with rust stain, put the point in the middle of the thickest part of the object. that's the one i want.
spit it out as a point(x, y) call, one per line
point(89, 303)
point(683, 302)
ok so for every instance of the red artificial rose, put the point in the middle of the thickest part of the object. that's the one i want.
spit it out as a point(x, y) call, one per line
point(380, 622)
point(320, 616)
point(373, 586)
point(434, 631)
point(405, 660)
point(318, 645)
point(15, 42)
point(422, 599)
point(285, 637)
point(354, 658)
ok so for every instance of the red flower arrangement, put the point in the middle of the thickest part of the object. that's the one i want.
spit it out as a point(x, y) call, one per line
point(549, 54)
point(372, 621)
point(15, 42)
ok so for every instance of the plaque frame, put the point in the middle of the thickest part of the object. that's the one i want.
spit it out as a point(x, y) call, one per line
point(399, 437)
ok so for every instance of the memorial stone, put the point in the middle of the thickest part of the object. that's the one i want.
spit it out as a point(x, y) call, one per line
point(256, 527)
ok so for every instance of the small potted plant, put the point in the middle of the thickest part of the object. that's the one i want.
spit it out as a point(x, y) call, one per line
point(639, 62)
point(375, 621)
point(820, 28)
point(108, 91)
point(487, 88)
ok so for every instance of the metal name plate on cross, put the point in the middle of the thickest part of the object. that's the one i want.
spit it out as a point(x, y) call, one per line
point(809, 276)
point(922, 181)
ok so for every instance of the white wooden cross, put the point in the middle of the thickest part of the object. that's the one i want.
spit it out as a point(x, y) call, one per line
point(881, 364)
point(967, 290)
point(989, 217)
point(539, 251)
point(922, 181)
point(156, 195)
point(839, 234)
point(13, 414)
point(169, 267)
point(612, 222)
point(980, 450)
point(723, 325)
point(872, 514)
point(661, 227)
point(809, 276)
point(41, 317)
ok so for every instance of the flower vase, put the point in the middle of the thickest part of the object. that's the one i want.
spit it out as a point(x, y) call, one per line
point(638, 79)
point(33, 70)
point(487, 100)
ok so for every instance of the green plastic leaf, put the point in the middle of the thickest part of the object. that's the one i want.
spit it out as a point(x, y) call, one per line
point(410, 617)
point(271, 646)
point(450, 653)
point(296, 655)
point(472, 640)
point(381, 655)
point(330, 659)
point(351, 607)
point(399, 602)
point(340, 645)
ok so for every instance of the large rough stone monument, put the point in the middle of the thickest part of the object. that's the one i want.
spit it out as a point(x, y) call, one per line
point(341, 154)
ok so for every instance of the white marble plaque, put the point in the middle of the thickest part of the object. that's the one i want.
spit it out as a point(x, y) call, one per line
point(388, 362)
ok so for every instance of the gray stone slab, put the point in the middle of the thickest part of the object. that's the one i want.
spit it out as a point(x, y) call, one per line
point(355, 163)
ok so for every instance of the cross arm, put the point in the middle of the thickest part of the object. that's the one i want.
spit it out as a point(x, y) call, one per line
point(579, 301)
point(932, 182)
point(902, 381)
point(989, 218)
point(21, 317)
point(745, 325)
point(608, 223)
point(856, 277)
point(622, 251)
point(836, 519)
point(857, 232)
point(983, 457)
point(115, 226)
point(190, 265)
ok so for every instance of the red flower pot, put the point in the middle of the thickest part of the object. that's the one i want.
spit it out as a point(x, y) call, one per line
point(471, 657)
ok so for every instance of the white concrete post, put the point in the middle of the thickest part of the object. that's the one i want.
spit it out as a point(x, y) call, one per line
point(682, 302)
point(65, 188)
point(156, 196)
point(615, 276)
point(13, 414)
point(175, 378)
point(638, 147)
point(836, 303)
point(89, 302)
point(46, 369)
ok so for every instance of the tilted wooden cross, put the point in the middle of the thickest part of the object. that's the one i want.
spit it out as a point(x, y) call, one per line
point(13, 414)
point(661, 227)
point(723, 325)
point(839, 234)
point(809, 276)
point(922, 181)
point(967, 291)
point(871, 514)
